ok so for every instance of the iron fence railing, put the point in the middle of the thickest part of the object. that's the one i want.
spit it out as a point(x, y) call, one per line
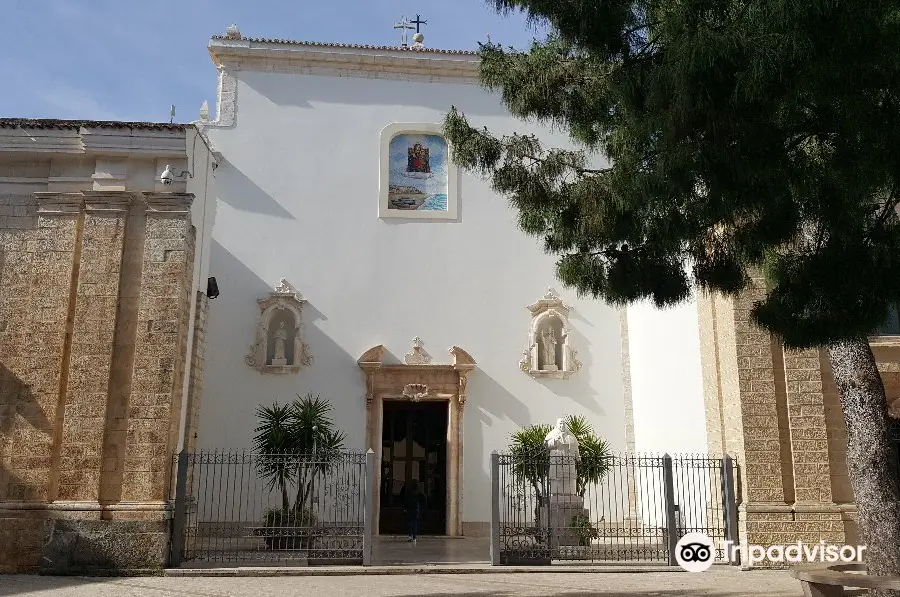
point(619, 507)
point(246, 507)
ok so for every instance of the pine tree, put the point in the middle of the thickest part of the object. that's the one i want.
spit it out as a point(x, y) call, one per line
point(743, 138)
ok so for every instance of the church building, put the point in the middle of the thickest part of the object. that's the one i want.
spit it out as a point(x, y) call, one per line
point(160, 282)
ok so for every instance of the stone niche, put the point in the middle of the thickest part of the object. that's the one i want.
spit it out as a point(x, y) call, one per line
point(280, 345)
point(548, 354)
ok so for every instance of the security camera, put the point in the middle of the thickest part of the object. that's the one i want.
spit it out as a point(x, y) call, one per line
point(167, 176)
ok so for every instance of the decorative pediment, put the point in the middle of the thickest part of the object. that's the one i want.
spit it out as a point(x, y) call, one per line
point(548, 354)
point(417, 357)
point(280, 346)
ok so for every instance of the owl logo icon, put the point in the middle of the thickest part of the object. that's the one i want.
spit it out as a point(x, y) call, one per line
point(695, 552)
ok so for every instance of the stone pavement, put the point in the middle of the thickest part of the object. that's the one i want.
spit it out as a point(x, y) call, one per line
point(392, 550)
point(718, 582)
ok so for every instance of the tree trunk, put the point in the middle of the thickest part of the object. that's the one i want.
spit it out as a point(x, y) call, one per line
point(870, 457)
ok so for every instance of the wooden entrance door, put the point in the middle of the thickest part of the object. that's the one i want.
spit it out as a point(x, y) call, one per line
point(414, 447)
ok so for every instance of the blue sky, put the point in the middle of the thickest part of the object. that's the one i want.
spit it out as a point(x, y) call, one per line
point(132, 59)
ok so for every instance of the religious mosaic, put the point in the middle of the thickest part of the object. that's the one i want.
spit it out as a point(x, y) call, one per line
point(418, 173)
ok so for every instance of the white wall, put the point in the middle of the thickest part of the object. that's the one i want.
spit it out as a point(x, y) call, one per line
point(666, 378)
point(298, 198)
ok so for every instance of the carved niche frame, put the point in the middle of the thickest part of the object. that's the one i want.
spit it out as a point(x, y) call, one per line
point(417, 380)
point(284, 298)
point(546, 309)
point(388, 134)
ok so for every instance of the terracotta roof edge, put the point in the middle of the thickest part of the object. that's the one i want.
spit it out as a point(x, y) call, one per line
point(315, 44)
point(54, 123)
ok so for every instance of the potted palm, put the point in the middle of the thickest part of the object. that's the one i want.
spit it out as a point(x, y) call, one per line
point(296, 444)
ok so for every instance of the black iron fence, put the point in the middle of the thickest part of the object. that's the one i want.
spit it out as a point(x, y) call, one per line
point(297, 508)
point(614, 508)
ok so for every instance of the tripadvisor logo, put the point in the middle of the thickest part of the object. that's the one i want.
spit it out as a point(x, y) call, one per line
point(695, 552)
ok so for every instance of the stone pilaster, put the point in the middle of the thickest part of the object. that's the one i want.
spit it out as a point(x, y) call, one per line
point(37, 289)
point(762, 474)
point(195, 383)
point(90, 358)
point(806, 417)
point(160, 344)
point(632, 517)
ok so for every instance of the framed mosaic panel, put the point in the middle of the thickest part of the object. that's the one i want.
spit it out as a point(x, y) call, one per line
point(417, 179)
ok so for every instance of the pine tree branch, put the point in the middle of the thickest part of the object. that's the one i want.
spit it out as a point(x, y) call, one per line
point(890, 206)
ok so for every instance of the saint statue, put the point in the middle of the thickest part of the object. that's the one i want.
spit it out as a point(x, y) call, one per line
point(564, 454)
point(549, 347)
point(280, 337)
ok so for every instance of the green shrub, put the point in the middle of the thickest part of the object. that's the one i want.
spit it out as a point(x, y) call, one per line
point(584, 529)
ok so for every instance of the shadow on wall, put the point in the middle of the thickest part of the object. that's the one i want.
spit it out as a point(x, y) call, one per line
point(284, 89)
point(240, 192)
point(56, 545)
point(488, 404)
point(17, 398)
point(578, 387)
point(233, 390)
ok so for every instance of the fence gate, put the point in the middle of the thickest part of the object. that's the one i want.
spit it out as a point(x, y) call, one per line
point(294, 508)
point(616, 508)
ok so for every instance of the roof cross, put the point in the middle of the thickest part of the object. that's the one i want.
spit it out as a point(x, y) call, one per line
point(404, 25)
point(418, 22)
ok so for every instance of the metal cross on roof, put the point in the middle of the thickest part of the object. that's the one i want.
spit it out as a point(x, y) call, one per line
point(418, 22)
point(404, 26)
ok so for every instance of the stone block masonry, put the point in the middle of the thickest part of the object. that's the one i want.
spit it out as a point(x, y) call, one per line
point(94, 312)
point(195, 383)
point(160, 344)
point(777, 412)
point(96, 287)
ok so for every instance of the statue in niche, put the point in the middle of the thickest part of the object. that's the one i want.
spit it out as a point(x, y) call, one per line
point(548, 341)
point(280, 337)
point(549, 354)
point(280, 346)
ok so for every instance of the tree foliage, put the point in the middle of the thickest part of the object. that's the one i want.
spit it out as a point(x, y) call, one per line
point(740, 136)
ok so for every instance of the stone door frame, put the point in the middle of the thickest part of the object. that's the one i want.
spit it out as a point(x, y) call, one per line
point(413, 383)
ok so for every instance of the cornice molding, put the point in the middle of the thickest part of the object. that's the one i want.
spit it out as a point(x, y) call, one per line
point(103, 140)
point(168, 203)
point(363, 62)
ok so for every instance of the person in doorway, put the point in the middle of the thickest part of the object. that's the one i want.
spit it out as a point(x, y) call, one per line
point(414, 504)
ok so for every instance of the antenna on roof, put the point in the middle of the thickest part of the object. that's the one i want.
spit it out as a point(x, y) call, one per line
point(172, 114)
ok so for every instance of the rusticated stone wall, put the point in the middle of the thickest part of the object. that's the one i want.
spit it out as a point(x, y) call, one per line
point(94, 309)
point(195, 384)
point(778, 413)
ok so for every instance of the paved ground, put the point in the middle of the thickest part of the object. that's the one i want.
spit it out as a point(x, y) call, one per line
point(724, 582)
point(393, 550)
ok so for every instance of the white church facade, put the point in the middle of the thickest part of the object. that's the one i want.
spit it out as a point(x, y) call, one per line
point(355, 261)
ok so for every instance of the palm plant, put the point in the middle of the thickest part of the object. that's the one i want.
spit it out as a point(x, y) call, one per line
point(296, 441)
point(594, 451)
point(531, 459)
point(274, 440)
